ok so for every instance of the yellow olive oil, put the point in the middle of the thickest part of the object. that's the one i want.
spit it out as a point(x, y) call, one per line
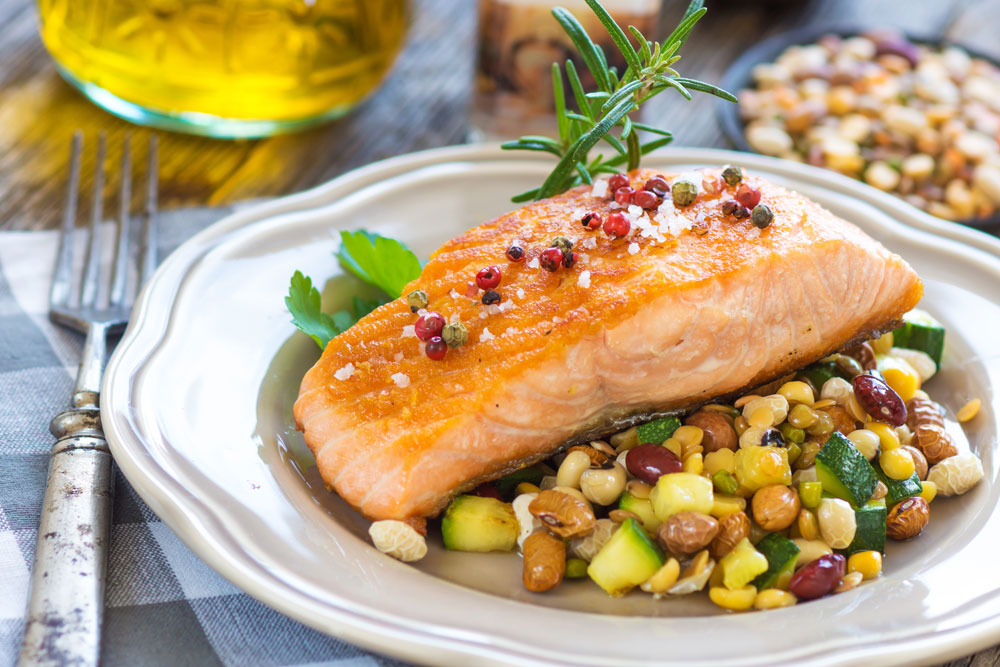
point(285, 61)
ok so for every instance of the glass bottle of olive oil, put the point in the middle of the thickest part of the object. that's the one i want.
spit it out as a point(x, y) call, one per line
point(228, 68)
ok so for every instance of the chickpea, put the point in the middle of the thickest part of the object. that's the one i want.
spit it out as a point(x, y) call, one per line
point(603, 485)
point(572, 468)
point(775, 507)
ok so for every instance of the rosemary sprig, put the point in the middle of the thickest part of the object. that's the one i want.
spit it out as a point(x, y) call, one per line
point(649, 72)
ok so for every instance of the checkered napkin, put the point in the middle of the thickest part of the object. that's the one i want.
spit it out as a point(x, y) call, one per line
point(164, 606)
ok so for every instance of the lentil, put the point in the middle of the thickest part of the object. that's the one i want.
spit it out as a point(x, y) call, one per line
point(969, 410)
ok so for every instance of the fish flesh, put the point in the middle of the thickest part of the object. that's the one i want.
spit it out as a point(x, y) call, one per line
point(692, 305)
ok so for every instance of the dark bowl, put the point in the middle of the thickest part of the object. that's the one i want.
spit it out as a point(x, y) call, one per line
point(738, 77)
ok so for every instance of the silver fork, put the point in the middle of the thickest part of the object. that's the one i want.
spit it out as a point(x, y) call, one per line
point(63, 626)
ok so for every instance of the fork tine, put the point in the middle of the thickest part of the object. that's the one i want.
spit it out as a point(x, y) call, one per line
point(59, 292)
point(88, 291)
point(118, 282)
point(149, 228)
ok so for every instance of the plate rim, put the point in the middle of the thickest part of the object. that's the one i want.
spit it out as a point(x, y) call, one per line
point(151, 481)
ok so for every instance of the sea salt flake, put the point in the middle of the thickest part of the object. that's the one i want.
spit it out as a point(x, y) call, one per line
point(398, 356)
point(486, 335)
point(583, 280)
point(409, 331)
point(533, 264)
point(633, 248)
point(600, 188)
point(422, 312)
point(454, 293)
point(519, 293)
point(589, 243)
point(505, 306)
point(402, 380)
point(483, 315)
point(493, 309)
point(344, 372)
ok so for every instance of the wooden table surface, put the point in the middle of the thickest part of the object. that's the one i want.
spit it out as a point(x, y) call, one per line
point(423, 103)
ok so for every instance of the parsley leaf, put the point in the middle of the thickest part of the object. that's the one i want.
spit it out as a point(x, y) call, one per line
point(381, 261)
point(303, 302)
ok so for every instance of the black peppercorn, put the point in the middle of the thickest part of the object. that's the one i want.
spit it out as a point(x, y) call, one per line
point(491, 297)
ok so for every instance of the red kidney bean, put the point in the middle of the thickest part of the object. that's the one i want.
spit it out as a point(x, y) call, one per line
point(879, 399)
point(819, 577)
point(649, 461)
point(486, 490)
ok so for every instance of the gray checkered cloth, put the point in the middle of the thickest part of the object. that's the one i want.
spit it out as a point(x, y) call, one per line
point(164, 606)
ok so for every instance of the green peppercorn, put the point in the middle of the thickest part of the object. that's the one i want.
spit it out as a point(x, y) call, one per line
point(417, 299)
point(684, 192)
point(732, 174)
point(762, 216)
point(562, 243)
point(455, 334)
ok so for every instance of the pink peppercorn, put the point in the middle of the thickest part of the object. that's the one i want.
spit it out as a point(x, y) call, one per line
point(488, 278)
point(617, 181)
point(592, 221)
point(428, 326)
point(436, 348)
point(747, 196)
point(624, 196)
point(617, 225)
point(646, 199)
point(551, 259)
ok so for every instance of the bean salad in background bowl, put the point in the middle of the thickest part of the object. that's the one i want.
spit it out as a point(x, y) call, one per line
point(908, 115)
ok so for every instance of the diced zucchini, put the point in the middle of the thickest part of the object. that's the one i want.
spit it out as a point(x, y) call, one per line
point(781, 554)
point(819, 372)
point(844, 471)
point(475, 523)
point(682, 492)
point(626, 560)
point(658, 430)
point(643, 508)
point(506, 485)
point(870, 533)
point(742, 565)
point(898, 488)
point(757, 467)
point(920, 331)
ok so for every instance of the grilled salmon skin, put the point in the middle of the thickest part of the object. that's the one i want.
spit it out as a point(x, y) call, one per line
point(693, 304)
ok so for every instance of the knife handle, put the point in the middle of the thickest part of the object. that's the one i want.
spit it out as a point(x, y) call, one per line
point(63, 626)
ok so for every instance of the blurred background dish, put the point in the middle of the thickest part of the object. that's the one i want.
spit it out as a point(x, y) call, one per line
point(908, 115)
point(225, 69)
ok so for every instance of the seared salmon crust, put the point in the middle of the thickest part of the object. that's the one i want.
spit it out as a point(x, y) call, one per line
point(572, 355)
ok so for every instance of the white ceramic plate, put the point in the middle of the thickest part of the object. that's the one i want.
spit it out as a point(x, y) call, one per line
point(197, 407)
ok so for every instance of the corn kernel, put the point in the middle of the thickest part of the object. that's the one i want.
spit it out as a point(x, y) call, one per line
point(883, 344)
point(526, 487)
point(674, 446)
point(688, 436)
point(897, 463)
point(761, 417)
point(886, 435)
point(663, 578)
point(739, 600)
point(900, 375)
point(720, 459)
point(928, 491)
point(694, 464)
point(969, 410)
point(773, 598)
point(808, 525)
point(797, 392)
point(867, 563)
point(810, 493)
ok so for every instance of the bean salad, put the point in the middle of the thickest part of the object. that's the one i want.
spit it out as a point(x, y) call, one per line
point(782, 496)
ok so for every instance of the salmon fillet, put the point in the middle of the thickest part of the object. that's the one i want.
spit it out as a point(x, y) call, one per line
point(645, 325)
